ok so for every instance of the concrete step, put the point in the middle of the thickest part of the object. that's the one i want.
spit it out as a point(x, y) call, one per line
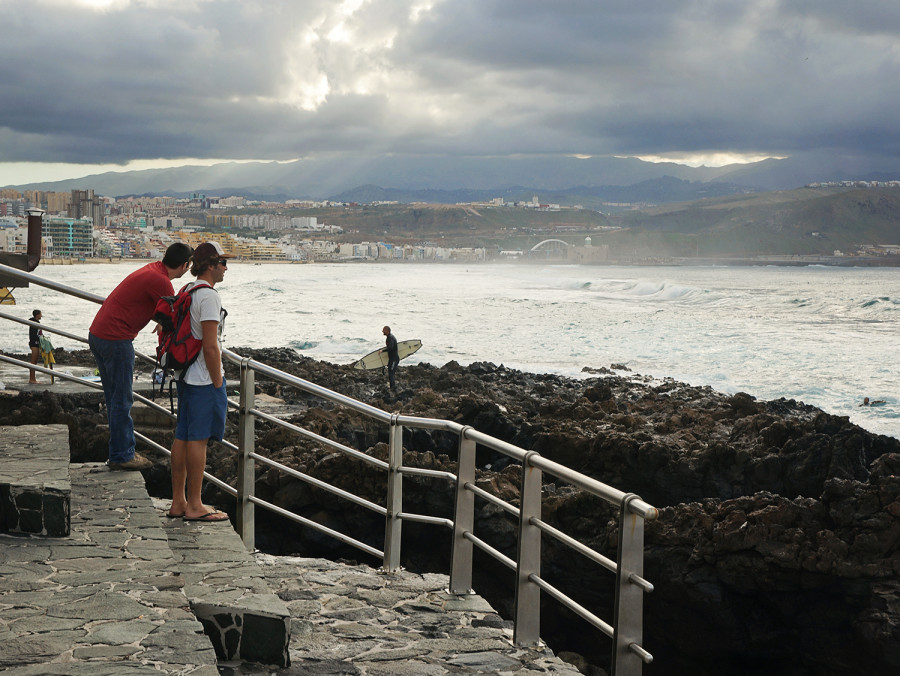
point(108, 599)
point(35, 491)
point(228, 592)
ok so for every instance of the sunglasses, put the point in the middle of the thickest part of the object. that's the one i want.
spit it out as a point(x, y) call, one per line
point(222, 262)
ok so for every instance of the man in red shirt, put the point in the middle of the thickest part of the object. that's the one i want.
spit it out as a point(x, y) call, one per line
point(126, 311)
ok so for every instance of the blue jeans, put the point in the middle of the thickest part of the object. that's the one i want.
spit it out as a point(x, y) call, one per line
point(115, 362)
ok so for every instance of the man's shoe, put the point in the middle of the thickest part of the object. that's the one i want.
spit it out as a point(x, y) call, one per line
point(138, 462)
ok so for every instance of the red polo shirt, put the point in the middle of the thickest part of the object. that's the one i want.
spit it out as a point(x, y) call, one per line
point(130, 306)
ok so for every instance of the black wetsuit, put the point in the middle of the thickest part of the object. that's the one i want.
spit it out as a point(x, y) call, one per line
point(393, 357)
point(34, 334)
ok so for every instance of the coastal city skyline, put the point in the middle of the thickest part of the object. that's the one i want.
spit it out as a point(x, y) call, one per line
point(81, 225)
point(174, 83)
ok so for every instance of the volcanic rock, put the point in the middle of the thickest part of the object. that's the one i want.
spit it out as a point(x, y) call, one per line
point(777, 547)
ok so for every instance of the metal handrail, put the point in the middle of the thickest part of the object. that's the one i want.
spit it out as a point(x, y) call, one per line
point(381, 464)
point(377, 553)
point(334, 490)
point(50, 284)
point(626, 627)
point(493, 499)
point(45, 327)
point(626, 655)
point(307, 386)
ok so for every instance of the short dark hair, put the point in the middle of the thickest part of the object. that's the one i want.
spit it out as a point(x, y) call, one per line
point(35, 313)
point(177, 255)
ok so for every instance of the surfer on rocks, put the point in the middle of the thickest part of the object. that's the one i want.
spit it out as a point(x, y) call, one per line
point(390, 343)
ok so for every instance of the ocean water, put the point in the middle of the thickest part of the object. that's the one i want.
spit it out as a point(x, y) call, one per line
point(825, 336)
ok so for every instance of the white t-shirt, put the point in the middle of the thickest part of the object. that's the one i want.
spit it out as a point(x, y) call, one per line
point(205, 306)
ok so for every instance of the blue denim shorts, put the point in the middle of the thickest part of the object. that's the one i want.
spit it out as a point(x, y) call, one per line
point(201, 412)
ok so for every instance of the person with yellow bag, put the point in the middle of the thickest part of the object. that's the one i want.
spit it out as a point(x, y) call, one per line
point(34, 344)
point(47, 354)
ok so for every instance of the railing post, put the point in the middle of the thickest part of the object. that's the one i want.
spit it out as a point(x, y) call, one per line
point(628, 620)
point(463, 519)
point(394, 498)
point(246, 470)
point(528, 594)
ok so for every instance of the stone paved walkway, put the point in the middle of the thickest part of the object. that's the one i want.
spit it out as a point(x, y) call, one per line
point(109, 600)
point(106, 599)
point(355, 621)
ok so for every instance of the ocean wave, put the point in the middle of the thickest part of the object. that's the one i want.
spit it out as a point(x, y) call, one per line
point(303, 344)
point(881, 303)
point(625, 289)
point(256, 287)
point(338, 348)
point(649, 290)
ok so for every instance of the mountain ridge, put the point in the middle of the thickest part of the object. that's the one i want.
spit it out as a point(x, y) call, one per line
point(324, 177)
point(806, 221)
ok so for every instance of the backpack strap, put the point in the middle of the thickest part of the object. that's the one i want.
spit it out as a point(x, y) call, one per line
point(196, 285)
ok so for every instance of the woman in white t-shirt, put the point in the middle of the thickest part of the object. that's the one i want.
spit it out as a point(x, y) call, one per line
point(202, 401)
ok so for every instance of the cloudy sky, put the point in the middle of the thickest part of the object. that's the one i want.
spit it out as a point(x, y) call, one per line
point(113, 84)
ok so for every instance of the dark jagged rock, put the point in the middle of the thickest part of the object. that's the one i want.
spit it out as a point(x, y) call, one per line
point(81, 413)
point(777, 549)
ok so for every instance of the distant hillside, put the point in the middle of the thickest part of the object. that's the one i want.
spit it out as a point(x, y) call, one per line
point(794, 172)
point(808, 221)
point(463, 179)
point(805, 221)
point(456, 225)
point(327, 177)
point(654, 191)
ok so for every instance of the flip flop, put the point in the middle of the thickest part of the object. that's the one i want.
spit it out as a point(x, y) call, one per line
point(208, 517)
point(169, 515)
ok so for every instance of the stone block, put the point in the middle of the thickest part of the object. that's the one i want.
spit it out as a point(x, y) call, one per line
point(241, 633)
point(9, 518)
point(242, 617)
point(264, 636)
point(30, 499)
point(31, 521)
point(34, 480)
point(56, 506)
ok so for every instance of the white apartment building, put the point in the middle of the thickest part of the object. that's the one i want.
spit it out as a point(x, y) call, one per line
point(13, 237)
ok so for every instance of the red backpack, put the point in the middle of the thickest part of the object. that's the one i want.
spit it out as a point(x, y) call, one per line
point(177, 347)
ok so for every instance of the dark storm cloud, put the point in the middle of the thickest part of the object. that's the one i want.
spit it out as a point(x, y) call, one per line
point(863, 18)
point(113, 80)
point(685, 76)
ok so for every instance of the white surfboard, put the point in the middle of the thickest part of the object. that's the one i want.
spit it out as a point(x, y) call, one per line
point(379, 358)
